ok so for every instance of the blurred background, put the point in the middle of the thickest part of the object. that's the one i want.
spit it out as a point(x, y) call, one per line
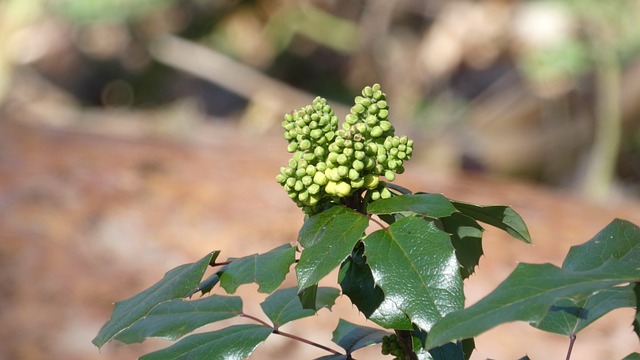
point(138, 135)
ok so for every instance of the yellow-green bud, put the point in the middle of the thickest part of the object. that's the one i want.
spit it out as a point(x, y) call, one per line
point(343, 189)
point(389, 175)
point(320, 178)
point(330, 188)
point(371, 181)
point(385, 193)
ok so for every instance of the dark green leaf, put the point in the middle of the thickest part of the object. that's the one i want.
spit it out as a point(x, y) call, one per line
point(175, 318)
point(176, 283)
point(466, 237)
point(431, 205)
point(284, 305)
point(328, 239)
point(636, 322)
point(619, 240)
point(357, 283)
point(415, 265)
point(352, 337)
point(502, 217)
point(308, 297)
point(236, 342)
point(526, 295)
point(632, 356)
point(207, 285)
point(268, 270)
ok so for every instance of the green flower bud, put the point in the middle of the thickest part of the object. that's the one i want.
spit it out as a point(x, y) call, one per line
point(373, 109)
point(316, 134)
point(298, 185)
point(357, 109)
point(361, 128)
point(319, 151)
point(348, 152)
point(371, 120)
point(393, 151)
point(382, 158)
point(357, 184)
point(359, 155)
point(293, 195)
point(365, 102)
point(329, 135)
point(281, 178)
point(367, 91)
point(388, 144)
point(330, 188)
point(357, 165)
point(342, 171)
point(351, 119)
point(376, 131)
point(343, 189)
point(333, 156)
point(401, 155)
point(371, 181)
point(378, 95)
point(399, 169)
point(385, 125)
point(332, 174)
point(385, 193)
point(321, 166)
point(300, 173)
point(305, 145)
point(307, 180)
point(369, 163)
point(320, 178)
point(382, 104)
point(371, 149)
point(375, 195)
point(313, 199)
point(293, 163)
point(342, 159)
point(383, 114)
point(303, 196)
point(313, 189)
point(392, 164)
point(389, 175)
point(354, 174)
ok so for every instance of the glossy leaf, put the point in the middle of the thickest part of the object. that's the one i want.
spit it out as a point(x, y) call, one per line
point(284, 306)
point(358, 284)
point(235, 342)
point(619, 240)
point(176, 283)
point(352, 337)
point(268, 270)
point(431, 205)
point(415, 265)
point(502, 217)
point(328, 239)
point(526, 295)
point(175, 318)
point(466, 237)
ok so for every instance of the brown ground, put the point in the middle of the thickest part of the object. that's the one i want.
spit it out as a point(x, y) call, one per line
point(87, 220)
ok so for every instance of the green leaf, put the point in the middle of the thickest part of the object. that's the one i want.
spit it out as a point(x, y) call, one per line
point(268, 270)
point(352, 337)
point(466, 237)
point(236, 342)
point(284, 306)
point(619, 240)
point(567, 317)
point(176, 283)
point(358, 284)
point(415, 265)
point(502, 217)
point(328, 239)
point(431, 205)
point(526, 295)
point(175, 318)
point(632, 356)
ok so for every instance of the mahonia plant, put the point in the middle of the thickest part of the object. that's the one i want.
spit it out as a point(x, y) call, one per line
point(330, 163)
point(405, 275)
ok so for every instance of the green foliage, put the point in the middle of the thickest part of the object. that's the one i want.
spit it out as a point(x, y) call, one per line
point(402, 259)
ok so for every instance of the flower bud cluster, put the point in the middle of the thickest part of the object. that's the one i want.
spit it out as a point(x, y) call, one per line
point(329, 164)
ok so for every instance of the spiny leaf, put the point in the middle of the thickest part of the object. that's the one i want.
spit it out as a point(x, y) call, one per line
point(466, 237)
point(175, 318)
point(268, 270)
point(619, 240)
point(526, 295)
point(236, 342)
point(328, 239)
point(176, 283)
point(284, 306)
point(502, 217)
point(415, 265)
point(352, 337)
point(431, 205)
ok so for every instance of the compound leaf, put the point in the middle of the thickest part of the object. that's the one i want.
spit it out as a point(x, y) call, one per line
point(431, 205)
point(619, 240)
point(235, 342)
point(415, 265)
point(177, 283)
point(175, 318)
point(268, 270)
point(284, 305)
point(526, 295)
point(328, 239)
point(502, 217)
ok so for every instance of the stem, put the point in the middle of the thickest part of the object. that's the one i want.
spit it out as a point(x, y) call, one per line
point(572, 340)
point(291, 336)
